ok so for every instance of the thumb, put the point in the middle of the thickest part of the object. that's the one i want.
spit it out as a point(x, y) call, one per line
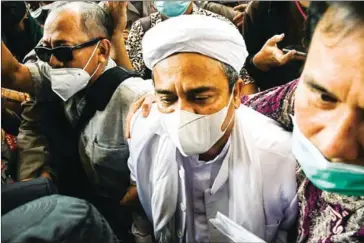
point(124, 4)
point(275, 39)
point(287, 57)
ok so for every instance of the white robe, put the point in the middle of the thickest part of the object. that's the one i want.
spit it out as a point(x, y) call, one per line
point(259, 170)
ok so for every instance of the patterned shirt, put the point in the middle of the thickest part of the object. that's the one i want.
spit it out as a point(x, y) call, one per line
point(324, 217)
point(135, 37)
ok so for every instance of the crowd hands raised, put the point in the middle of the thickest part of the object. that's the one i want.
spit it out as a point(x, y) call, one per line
point(182, 121)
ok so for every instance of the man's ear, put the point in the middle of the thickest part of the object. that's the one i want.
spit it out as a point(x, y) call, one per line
point(104, 50)
point(237, 93)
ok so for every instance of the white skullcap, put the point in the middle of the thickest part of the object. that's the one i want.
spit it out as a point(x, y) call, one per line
point(206, 35)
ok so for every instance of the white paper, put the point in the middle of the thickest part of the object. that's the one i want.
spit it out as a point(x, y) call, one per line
point(233, 231)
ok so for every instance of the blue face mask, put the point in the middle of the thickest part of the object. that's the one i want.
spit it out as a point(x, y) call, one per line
point(341, 178)
point(172, 8)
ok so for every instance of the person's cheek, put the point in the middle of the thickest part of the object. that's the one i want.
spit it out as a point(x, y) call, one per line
point(307, 114)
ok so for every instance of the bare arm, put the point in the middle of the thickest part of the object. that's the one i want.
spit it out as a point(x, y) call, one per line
point(118, 52)
point(14, 75)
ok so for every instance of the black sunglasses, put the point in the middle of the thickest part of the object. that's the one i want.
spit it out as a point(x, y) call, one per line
point(62, 53)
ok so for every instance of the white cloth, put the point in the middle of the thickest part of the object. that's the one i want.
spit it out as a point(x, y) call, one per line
point(206, 35)
point(259, 170)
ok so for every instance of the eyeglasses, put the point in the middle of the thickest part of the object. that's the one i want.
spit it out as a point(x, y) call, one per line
point(62, 53)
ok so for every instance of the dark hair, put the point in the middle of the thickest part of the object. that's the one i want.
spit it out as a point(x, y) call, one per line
point(95, 21)
point(314, 13)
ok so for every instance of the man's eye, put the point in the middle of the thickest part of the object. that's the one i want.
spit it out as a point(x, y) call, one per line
point(327, 98)
point(201, 98)
point(167, 100)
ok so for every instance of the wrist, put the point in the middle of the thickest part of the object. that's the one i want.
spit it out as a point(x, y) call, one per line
point(258, 62)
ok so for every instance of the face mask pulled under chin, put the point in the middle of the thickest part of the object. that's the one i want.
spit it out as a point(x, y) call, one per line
point(341, 178)
point(66, 82)
point(195, 134)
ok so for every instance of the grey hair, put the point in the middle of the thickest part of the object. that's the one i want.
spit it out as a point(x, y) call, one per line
point(231, 75)
point(95, 21)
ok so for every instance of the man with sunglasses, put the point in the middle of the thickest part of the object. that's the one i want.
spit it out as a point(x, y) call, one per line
point(73, 129)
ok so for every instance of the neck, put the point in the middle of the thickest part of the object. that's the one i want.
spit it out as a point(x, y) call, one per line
point(219, 145)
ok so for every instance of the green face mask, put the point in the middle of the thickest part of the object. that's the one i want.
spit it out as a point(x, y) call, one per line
point(338, 178)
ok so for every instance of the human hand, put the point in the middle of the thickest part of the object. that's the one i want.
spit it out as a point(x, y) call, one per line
point(125, 35)
point(271, 56)
point(118, 11)
point(145, 103)
point(130, 198)
point(240, 13)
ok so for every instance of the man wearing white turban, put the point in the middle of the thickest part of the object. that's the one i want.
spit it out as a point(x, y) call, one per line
point(208, 169)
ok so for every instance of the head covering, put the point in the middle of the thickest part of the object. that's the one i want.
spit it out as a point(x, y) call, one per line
point(56, 219)
point(206, 35)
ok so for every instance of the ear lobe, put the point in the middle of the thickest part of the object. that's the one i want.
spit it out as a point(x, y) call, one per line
point(104, 48)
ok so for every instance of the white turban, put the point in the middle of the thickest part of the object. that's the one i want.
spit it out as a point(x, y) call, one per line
point(206, 35)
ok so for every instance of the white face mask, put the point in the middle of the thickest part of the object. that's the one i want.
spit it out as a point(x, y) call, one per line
point(66, 82)
point(195, 134)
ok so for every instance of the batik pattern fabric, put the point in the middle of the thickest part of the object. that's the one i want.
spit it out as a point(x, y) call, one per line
point(276, 103)
point(326, 217)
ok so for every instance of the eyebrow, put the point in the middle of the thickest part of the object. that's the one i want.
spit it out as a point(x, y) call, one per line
point(190, 91)
point(314, 85)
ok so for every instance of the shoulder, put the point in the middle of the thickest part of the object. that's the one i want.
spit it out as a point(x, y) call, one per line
point(132, 89)
point(143, 128)
point(273, 146)
point(268, 136)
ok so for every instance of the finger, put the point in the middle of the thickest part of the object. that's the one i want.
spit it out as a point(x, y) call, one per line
point(287, 57)
point(241, 7)
point(127, 125)
point(238, 17)
point(299, 58)
point(275, 39)
point(147, 105)
point(240, 23)
point(133, 108)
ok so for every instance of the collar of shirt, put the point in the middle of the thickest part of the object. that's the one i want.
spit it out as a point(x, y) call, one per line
point(196, 162)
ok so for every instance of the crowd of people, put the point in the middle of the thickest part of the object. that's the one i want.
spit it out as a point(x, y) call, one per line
point(182, 121)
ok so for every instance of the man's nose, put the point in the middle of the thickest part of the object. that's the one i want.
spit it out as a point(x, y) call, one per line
point(341, 140)
point(55, 63)
point(185, 106)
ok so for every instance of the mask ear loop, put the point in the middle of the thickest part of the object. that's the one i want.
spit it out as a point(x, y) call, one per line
point(228, 106)
point(88, 62)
